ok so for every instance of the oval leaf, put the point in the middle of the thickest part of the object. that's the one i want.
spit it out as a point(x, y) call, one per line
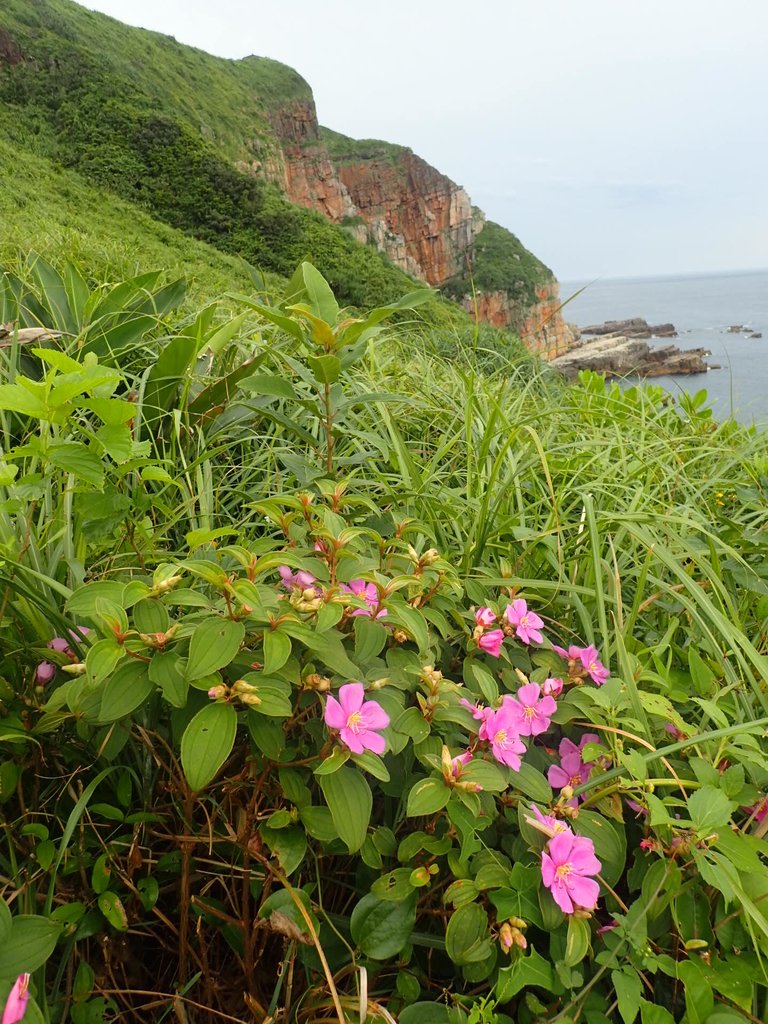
point(207, 743)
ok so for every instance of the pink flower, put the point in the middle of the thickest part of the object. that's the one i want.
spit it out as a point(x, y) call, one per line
point(566, 865)
point(547, 824)
point(16, 1003)
point(527, 624)
point(369, 594)
point(595, 669)
point(571, 771)
point(479, 714)
point(458, 762)
point(485, 617)
point(637, 808)
point(582, 662)
point(759, 810)
point(300, 580)
point(531, 711)
point(491, 642)
point(45, 672)
point(552, 687)
point(357, 719)
point(500, 729)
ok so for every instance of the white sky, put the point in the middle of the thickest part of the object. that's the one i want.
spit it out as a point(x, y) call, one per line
point(614, 137)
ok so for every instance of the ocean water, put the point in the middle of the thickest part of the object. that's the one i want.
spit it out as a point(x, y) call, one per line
point(701, 307)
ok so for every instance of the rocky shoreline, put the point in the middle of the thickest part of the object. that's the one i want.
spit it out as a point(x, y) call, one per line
point(617, 349)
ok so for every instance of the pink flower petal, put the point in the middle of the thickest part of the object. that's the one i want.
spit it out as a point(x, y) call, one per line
point(561, 897)
point(584, 891)
point(354, 740)
point(351, 697)
point(373, 715)
point(335, 716)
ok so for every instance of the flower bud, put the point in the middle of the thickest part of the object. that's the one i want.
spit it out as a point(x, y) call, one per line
point(506, 937)
point(314, 681)
point(518, 922)
point(400, 636)
point(430, 556)
point(250, 699)
point(78, 669)
point(165, 585)
point(379, 684)
point(217, 692)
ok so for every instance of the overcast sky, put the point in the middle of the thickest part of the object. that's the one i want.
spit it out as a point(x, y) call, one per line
point(614, 137)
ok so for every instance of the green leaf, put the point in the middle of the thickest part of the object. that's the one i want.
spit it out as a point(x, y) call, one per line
point(526, 970)
point(207, 743)
point(483, 773)
point(277, 650)
point(325, 369)
point(577, 941)
point(531, 783)
point(381, 928)
point(214, 644)
point(32, 941)
point(5, 923)
point(289, 845)
point(411, 620)
point(15, 398)
point(165, 671)
point(466, 937)
point(370, 638)
point(112, 908)
point(652, 1013)
point(628, 988)
point(101, 659)
point(125, 690)
point(427, 797)
point(691, 911)
point(75, 458)
point(318, 823)
point(322, 301)
point(350, 800)
point(710, 809)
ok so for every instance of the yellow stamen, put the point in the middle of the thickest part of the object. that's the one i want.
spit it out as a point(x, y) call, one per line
point(354, 720)
point(563, 870)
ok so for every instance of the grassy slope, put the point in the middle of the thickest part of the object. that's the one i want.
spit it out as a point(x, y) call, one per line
point(162, 125)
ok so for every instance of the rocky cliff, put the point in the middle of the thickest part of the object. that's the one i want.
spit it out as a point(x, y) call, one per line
point(184, 134)
point(387, 196)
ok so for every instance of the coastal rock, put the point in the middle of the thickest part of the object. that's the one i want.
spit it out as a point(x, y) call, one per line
point(541, 326)
point(756, 334)
point(738, 329)
point(636, 327)
point(619, 356)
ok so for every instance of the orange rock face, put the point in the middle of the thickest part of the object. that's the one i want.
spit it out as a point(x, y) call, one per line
point(419, 217)
point(541, 327)
point(423, 221)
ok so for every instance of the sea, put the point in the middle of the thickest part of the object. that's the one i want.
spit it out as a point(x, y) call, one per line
point(702, 307)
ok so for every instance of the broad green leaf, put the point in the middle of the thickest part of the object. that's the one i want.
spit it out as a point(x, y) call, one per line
point(112, 908)
point(318, 822)
point(427, 797)
point(350, 800)
point(370, 638)
point(101, 660)
point(322, 301)
point(277, 650)
point(577, 941)
point(466, 937)
point(207, 743)
point(381, 928)
point(524, 971)
point(325, 369)
point(628, 988)
point(15, 398)
point(531, 782)
point(214, 644)
point(125, 690)
point(75, 458)
point(289, 845)
point(483, 773)
point(32, 941)
point(710, 809)
point(337, 757)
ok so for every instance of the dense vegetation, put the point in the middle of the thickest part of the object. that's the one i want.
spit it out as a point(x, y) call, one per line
point(352, 666)
point(204, 517)
point(497, 258)
point(169, 129)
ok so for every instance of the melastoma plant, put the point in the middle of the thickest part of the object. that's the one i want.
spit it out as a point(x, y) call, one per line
point(318, 751)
